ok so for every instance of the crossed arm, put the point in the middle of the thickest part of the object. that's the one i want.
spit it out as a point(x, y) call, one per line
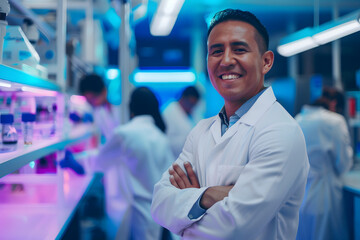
point(181, 180)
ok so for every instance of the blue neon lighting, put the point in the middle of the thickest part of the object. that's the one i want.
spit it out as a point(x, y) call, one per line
point(164, 76)
point(112, 73)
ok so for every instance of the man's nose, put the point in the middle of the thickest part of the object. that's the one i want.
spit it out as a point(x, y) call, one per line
point(228, 58)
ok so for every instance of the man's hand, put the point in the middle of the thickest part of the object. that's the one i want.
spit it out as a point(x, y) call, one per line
point(214, 194)
point(179, 179)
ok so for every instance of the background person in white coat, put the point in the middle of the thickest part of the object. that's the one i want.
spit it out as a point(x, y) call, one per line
point(106, 115)
point(179, 120)
point(141, 151)
point(322, 214)
point(106, 119)
point(246, 167)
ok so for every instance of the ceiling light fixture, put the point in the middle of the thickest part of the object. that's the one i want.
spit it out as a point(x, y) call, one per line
point(309, 38)
point(296, 43)
point(165, 17)
point(164, 76)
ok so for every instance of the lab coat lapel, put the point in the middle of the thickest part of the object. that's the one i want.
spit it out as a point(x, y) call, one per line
point(215, 130)
point(262, 104)
point(249, 119)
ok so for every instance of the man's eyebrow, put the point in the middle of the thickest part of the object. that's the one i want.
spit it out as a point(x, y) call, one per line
point(217, 45)
point(239, 44)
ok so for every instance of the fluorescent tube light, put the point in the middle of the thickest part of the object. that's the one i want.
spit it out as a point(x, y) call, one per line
point(165, 76)
point(112, 73)
point(312, 37)
point(162, 25)
point(165, 17)
point(297, 42)
point(296, 47)
point(337, 32)
point(170, 7)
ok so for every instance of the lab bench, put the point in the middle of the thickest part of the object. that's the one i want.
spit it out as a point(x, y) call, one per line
point(47, 210)
point(49, 205)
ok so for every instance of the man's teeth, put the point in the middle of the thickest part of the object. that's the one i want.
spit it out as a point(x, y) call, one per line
point(232, 76)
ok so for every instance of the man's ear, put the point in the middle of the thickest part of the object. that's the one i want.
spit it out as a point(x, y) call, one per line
point(268, 60)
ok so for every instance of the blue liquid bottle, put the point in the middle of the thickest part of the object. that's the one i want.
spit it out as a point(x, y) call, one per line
point(9, 133)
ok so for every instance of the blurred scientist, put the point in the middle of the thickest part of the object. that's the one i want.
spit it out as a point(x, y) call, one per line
point(322, 214)
point(106, 115)
point(179, 120)
point(106, 119)
point(140, 149)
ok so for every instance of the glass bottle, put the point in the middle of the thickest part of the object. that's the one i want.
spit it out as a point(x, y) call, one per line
point(9, 133)
point(28, 120)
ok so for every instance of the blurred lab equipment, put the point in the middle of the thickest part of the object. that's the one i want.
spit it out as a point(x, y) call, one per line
point(9, 133)
point(28, 120)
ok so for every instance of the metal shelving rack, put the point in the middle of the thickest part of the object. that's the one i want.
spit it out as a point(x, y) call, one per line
point(40, 214)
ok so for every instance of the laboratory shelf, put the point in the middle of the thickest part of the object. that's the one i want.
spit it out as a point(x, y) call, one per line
point(36, 219)
point(352, 181)
point(13, 160)
point(354, 122)
point(18, 76)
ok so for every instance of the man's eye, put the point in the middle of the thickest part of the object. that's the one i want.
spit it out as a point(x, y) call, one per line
point(240, 50)
point(216, 51)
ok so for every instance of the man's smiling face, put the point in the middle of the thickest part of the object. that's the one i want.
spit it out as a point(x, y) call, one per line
point(235, 64)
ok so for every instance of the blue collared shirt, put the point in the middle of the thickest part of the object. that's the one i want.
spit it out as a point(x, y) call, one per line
point(196, 210)
point(226, 124)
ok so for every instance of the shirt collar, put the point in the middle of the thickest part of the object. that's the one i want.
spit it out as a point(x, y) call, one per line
point(241, 110)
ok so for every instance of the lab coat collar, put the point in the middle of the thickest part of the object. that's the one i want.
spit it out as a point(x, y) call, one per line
point(262, 104)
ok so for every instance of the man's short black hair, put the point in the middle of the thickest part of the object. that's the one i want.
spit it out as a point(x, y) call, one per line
point(243, 16)
point(190, 91)
point(92, 83)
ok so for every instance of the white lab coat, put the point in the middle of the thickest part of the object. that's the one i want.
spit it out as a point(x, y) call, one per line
point(178, 126)
point(263, 154)
point(330, 155)
point(107, 119)
point(142, 153)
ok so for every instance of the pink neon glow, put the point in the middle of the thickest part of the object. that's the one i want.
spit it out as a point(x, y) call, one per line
point(76, 99)
point(39, 91)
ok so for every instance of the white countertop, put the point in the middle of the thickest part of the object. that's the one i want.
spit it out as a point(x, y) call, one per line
point(41, 210)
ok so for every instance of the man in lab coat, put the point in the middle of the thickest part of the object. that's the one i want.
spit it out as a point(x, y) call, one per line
point(322, 213)
point(242, 173)
point(178, 118)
